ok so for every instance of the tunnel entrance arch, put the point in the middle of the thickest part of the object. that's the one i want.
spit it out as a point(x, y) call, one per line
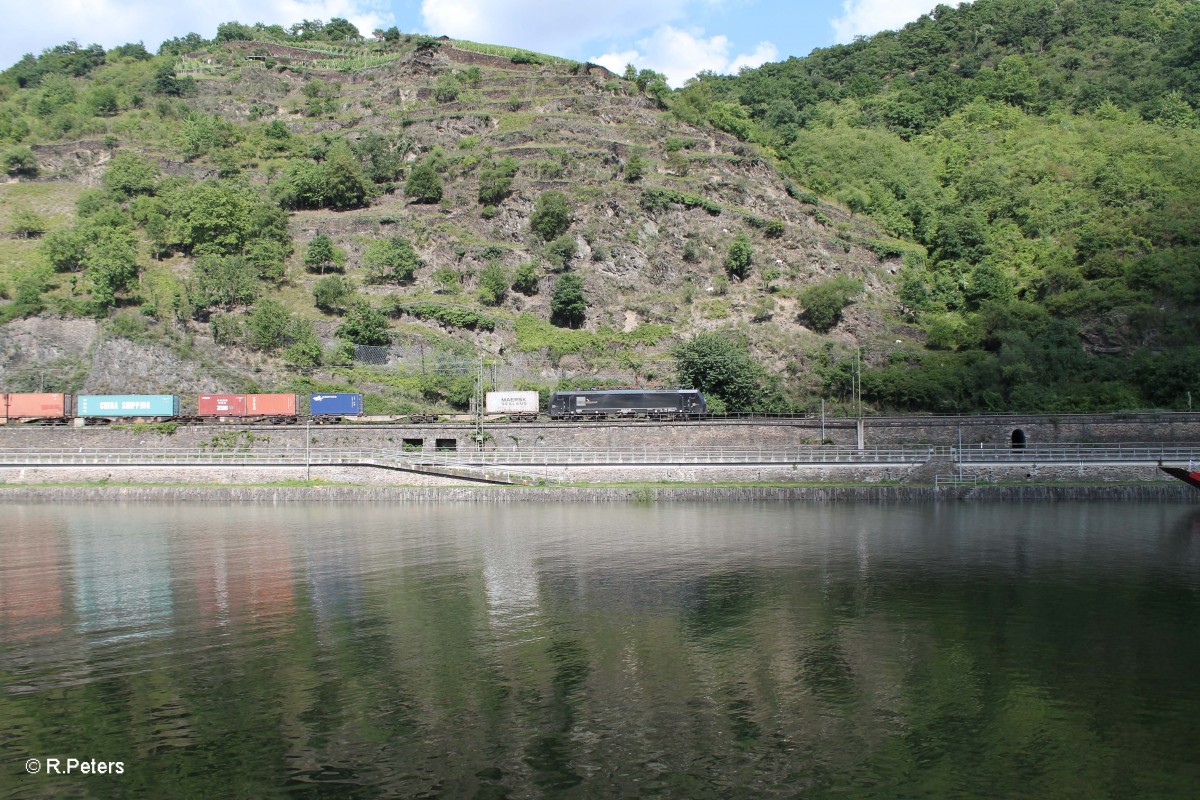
point(1018, 439)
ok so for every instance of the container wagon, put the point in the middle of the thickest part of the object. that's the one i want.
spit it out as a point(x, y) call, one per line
point(35, 407)
point(517, 406)
point(113, 407)
point(629, 403)
point(274, 408)
point(332, 407)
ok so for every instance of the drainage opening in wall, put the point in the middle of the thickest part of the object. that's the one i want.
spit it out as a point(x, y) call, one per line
point(1018, 439)
point(414, 445)
point(446, 444)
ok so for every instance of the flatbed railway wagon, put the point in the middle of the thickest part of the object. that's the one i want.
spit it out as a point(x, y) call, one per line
point(102, 408)
point(629, 404)
point(35, 407)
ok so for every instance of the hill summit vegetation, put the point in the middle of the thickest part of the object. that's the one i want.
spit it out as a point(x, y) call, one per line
point(992, 208)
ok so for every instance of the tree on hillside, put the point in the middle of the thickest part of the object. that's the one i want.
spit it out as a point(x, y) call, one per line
point(391, 260)
point(321, 256)
point(129, 175)
point(331, 293)
point(364, 324)
point(720, 366)
point(739, 256)
point(568, 304)
point(824, 302)
point(224, 281)
point(551, 215)
point(423, 185)
point(493, 285)
point(345, 186)
point(495, 180)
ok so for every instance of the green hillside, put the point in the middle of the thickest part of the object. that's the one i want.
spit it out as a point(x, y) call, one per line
point(1046, 156)
point(993, 208)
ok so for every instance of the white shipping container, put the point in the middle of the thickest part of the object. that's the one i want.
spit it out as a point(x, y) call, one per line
point(512, 402)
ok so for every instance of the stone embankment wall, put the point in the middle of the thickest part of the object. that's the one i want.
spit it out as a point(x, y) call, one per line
point(881, 432)
point(653, 437)
point(324, 494)
point(910, 476)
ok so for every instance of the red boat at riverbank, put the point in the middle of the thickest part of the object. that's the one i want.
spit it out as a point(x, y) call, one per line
point(1190, 476)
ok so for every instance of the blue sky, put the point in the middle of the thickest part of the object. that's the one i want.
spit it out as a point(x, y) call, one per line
point(676, 37)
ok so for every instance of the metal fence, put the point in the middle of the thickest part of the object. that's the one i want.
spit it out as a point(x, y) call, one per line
point(899, 456)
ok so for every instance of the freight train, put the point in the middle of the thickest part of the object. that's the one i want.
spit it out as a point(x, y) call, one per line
point(52, 408)
point(99, 409)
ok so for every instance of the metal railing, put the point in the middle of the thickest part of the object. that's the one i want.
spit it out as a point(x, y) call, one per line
point(547, 457)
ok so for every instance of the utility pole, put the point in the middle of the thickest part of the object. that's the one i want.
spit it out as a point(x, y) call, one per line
point(859, 426)
point(479, 406)
point(308, 448)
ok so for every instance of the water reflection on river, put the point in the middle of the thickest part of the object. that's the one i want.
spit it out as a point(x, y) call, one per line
point(707, 650)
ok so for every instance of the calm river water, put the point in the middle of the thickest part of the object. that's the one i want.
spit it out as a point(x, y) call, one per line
point(712, 650)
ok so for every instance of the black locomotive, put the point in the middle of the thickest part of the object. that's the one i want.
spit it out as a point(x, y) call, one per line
point(628, 403)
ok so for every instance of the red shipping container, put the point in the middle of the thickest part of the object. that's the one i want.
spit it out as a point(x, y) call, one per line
point(35, 406)
point(275, 405)
point(222, 405)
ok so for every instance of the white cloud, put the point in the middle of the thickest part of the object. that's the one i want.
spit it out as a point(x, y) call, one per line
point(680, 54)
point(32, 27)
point(866, 17)
point(559, 27)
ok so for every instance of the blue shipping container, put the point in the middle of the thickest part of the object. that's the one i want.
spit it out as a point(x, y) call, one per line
point(127, 405)
point(347, 405)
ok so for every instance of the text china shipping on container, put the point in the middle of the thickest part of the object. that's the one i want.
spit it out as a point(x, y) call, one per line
point(131, 405)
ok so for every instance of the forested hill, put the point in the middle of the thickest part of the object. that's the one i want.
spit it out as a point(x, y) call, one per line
point(993, 209)
point(1046, 156)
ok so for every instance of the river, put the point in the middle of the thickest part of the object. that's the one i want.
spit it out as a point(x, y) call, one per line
point(702, 650)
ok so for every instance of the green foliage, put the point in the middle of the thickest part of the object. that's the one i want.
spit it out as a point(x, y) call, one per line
point(204, 134)
point(448, 279)
point(739, 256)
point(168, 84)
point(446, 88)
point(659, 199)
point(331, 292)
point(823, 302)
point(221, 217)
point(267, 325)
point(720, 366)
point(391, 260)
point(451, 316)
point(526, 278)
point(26, 224)
point(551, 215)
point(568, 304)
point(224, 281)
point(129, 175)
point(495, 180)
point(423, 184)
point(364, 324)
point(560, 252)
point(493, 285)
point(337, 183)
point(380, 157)
point(322, 256)
point(636, 165)
point(21, 162)
point(345, 185)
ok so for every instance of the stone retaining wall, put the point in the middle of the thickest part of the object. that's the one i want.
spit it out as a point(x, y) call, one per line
point(325, 494)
